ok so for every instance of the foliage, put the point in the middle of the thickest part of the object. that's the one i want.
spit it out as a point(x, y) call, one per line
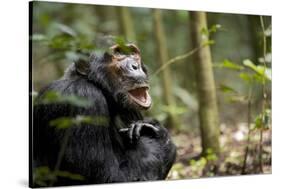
point(66, 122)
point(202, 166)
point(258, 75)
point(66, 43)
point(262, 120)
point(43, 176)
point(230, 65)
point(227, 89)
point(213, 29)
point(243, 75)
point(52, 97)
point(249, 72)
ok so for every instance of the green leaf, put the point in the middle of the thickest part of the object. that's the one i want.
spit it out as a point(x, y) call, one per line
point(62, 122)
point(122, 45)
point(178, 166)
point(214, 28)
point(258, 122)
point(42, 170)
point(43, 176)
point(228, 64)
point(52, 97)
point(67, 122)
point(250, 64)
point(62, 42)
point(95, 120)
point(192, 162)
point(85, 43)
point(69, 175)
point(120, 41)
point(208, 42)
point(227, 89)
point(259, 78)
point(202, 162)
point(211, 156)
point(210, 151)
point(261, 70)
point(262, 121)
point(246, 77)
point(78, 101)
point(204, 31)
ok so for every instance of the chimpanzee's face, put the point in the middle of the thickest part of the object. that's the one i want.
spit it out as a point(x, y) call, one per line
point(129, 77)
point(120, 72)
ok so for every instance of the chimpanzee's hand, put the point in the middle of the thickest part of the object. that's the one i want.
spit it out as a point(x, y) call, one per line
point(138, 129)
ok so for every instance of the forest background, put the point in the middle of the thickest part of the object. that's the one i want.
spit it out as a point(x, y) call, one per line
point(235, 137)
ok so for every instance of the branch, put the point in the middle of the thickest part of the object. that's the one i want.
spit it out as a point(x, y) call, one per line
point(177, 58)
point(264, 95)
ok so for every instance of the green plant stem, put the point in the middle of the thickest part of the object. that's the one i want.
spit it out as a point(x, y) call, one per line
point(264, 97)
point(61, 154)
point(249, 132)
point(177, 58)
point(261, 150)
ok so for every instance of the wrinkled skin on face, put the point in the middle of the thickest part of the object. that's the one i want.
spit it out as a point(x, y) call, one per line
point(130, 77)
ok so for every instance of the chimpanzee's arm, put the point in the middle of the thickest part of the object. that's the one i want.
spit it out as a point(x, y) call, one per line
point(151, 150)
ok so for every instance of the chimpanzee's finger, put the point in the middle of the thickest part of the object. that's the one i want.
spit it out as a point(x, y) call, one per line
point(124, 130)
point(131, 132)
point(137, 131)
point(155, 129)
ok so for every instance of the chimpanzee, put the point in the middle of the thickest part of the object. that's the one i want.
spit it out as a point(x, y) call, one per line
point(128, 148)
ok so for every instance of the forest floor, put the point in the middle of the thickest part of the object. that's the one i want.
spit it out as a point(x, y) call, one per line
point(233, 141)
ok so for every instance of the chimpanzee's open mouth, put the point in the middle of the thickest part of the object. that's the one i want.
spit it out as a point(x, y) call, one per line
point(141, 96)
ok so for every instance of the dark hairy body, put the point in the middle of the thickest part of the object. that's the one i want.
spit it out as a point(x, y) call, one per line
point(128, 148)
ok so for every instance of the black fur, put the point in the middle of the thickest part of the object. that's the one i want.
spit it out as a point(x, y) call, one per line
point(101, 154)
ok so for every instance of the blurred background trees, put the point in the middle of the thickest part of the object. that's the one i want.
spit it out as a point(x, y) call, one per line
point(210, 75)
point(208, 111)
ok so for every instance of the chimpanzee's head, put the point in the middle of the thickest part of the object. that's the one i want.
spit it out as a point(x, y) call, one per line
point(121, 73)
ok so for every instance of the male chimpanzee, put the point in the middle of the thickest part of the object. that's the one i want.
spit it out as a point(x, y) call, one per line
point(128, 148)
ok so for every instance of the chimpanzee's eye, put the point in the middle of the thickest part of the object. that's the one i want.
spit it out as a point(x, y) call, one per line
point(134, 66)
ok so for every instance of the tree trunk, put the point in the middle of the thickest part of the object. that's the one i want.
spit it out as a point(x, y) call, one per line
point(208, 112)
point(162, 52)
point(254, 30)
point(126, 25)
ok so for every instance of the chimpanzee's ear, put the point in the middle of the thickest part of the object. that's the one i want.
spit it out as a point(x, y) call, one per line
point(82, 67)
